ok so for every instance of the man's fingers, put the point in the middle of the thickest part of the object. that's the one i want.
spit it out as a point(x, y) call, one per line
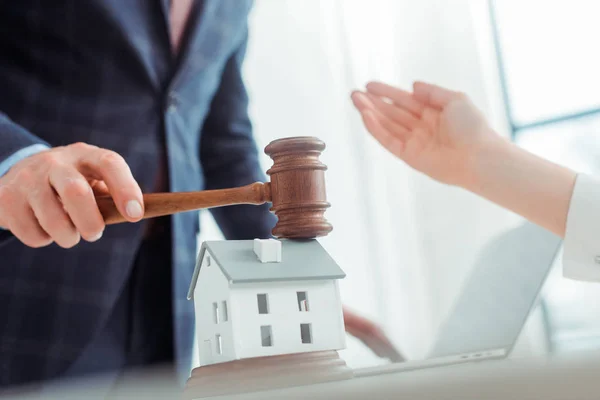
point(48, 197)
point(100, 188)
point(433, 95)
point(5, 199)
point(52, 217)
point(78, 201)
point(17, 216)
point(400, 97)
point(396, 114)
point(24, 225)
point(114, 171)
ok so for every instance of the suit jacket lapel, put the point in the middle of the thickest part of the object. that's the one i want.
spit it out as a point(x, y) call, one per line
point(165, 7)
point(195, 32)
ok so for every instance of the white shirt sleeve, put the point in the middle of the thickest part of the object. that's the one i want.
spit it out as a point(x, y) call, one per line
point(581, 257)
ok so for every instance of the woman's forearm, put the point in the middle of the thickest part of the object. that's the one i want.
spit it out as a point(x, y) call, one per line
point(524, 183)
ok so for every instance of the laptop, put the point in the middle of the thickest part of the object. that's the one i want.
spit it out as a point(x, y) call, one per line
point(494, 303)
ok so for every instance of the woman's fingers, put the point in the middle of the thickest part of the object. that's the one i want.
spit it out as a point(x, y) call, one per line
point(359, 100)
point(401, 98)
point(364, 102)
point(392, 143)
point(389, 134)
point(371, 335)
point(396, 114)
point(433, 95)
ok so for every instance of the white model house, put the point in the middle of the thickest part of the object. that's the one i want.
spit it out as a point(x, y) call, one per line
point(257, 298)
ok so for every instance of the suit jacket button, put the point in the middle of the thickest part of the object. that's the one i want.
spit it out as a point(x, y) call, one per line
point(172, 103)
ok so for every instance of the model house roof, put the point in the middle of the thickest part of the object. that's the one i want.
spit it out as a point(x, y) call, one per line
point(300, 260)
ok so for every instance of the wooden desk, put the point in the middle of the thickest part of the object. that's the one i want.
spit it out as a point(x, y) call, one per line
point(568, 377)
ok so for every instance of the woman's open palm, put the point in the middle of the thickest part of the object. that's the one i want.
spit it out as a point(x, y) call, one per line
point(433, 130)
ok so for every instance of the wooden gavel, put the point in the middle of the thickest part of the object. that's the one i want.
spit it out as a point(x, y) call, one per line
point(296, 191)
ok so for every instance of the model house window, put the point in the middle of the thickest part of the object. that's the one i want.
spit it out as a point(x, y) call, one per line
point(216, 312)
point(219, 344)
point(305, 333)
point(266, 336)
point(224, 311)
point(263, 303)
point(302, 301)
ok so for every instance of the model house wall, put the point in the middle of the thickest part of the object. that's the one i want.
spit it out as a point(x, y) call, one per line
point(213, 312)
point(260, 303)
point(283, 324)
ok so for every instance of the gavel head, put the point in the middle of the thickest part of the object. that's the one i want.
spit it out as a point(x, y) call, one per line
point(298, 188)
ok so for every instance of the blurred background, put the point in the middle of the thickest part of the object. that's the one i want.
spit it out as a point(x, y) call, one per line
point(407, 243)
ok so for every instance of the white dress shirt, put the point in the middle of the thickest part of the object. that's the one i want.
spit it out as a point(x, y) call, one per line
point(581, 257)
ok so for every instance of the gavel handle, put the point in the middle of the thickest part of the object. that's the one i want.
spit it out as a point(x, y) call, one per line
point(159, 204)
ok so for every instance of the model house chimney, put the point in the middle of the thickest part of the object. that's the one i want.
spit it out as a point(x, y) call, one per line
point(267, 250)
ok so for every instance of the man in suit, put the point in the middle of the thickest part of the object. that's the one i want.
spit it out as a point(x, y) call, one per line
point(126, 96)
point(118, 97)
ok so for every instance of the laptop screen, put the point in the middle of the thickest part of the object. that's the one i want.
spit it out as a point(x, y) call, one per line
point(499, 294)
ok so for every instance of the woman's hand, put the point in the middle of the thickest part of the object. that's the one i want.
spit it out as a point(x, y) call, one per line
point(434, 130)
point(440, 133)
point(371, 335)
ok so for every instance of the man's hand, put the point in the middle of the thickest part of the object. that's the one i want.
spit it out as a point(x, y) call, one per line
point(49, 197)
point(371, 335)
point(434, 130)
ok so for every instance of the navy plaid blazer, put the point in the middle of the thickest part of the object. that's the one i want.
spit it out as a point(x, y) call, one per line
point(102, 72)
